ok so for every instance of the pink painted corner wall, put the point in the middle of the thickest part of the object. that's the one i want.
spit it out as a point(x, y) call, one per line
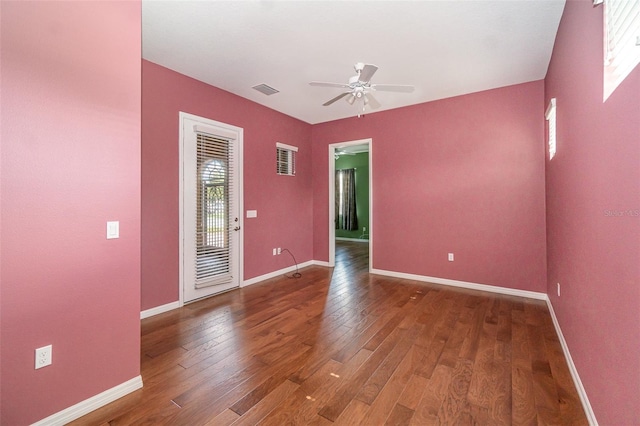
point(284, 203)
point(462, 175)
point(593, 217)
point(70, 163)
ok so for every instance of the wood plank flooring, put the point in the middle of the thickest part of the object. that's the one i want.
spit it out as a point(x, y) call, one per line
point(343, 347)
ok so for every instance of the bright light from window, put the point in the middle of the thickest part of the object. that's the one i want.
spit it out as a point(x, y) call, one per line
point(621, 41)
point(340, 190)
point(550, 115)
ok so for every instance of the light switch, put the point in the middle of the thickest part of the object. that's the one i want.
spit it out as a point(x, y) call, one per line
point(113, 230)
point(252, 213)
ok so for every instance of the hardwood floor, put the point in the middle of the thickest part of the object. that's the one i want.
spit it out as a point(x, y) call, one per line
point(340, 346)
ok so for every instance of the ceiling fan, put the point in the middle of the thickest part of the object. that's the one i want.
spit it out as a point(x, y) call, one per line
point(360, 87)
point(340, 152)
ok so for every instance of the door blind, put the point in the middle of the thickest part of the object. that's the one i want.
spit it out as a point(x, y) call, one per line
point(213, 224)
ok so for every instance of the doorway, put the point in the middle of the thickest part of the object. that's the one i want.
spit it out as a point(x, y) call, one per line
point(210, 207)
point(366, 235)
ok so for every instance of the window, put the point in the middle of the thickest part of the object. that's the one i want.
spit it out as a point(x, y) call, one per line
point(621, 41)
point(214, 205)
point(550, 115)
point(286, 159)
point(213, 192)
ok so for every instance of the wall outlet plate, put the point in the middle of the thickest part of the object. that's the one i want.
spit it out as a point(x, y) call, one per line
point(44, 356)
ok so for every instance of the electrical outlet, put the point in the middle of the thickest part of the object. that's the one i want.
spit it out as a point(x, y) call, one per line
point(450, 257)
point(279, 250)
point(275, 252)
point(558, 289)
point(364, 229)
point(43, 356)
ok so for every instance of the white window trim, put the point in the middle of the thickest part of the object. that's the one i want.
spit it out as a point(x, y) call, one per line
point(550, 116)
point(285, 146)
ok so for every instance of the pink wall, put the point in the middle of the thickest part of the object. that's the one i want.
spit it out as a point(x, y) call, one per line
point(70, 162)
point(595, 255)
point(462, 175)
point(283, 203)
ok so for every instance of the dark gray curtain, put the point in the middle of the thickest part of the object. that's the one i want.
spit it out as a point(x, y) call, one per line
point(346, 200)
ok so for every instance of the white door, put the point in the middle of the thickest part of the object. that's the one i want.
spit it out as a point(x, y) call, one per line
point(211, 219)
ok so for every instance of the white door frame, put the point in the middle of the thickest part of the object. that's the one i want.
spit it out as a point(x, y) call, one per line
point(332, 189)
point(239, 132)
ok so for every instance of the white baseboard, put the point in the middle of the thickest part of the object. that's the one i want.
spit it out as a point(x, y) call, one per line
point(273, 274)
point(463, 284)
point(321, 263)
point(159, 309)
point(88, 405)
point(357, 240)
point(586, 405)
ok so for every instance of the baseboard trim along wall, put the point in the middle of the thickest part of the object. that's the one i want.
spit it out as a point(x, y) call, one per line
point(463, 284)
point(273, 274)
point(159, 309)
point(586, 405)
point(174, 305)
point(88, 405)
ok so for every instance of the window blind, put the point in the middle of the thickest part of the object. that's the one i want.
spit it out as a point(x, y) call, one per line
point(286, 159)
point(622, 41)
point(213, 251)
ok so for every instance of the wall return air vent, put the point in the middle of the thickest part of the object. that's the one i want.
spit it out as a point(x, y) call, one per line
point(267, 90)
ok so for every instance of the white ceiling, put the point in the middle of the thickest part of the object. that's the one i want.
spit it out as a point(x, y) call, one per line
point(443, 48)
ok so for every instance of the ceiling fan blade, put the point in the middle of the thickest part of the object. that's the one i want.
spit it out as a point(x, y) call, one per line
point(324, 84)
point(371, 101)
point(367, 72)
point(337, 98)
point(393, 88)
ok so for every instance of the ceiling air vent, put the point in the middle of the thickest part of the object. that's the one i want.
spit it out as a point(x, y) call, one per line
point(267, 90)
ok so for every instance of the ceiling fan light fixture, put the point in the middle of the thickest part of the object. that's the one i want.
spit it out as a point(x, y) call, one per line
point(360, 87)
